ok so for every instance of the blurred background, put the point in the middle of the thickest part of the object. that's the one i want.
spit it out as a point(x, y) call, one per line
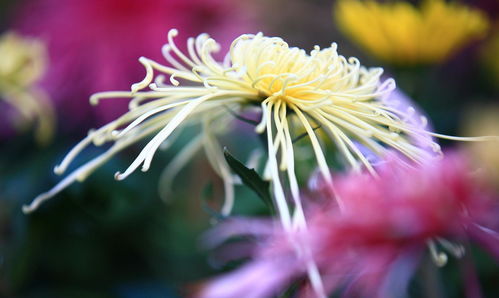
point(104, 238)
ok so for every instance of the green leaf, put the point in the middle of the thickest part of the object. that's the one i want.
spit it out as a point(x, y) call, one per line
point(251, 179)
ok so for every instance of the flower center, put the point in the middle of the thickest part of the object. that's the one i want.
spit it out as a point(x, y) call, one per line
point(271, 67)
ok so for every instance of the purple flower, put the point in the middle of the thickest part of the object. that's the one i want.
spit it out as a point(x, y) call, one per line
point(94, 44)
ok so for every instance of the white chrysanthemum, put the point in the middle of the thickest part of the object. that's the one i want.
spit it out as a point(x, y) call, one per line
point(320, 89)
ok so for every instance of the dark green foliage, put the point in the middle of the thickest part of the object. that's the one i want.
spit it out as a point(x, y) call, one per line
point(250, 178)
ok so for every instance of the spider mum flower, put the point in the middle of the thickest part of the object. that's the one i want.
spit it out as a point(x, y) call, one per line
point(292, 88)
point(436, 207)
point(399, 33)
point(22, 64)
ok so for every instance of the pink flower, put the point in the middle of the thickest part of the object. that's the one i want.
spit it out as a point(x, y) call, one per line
point(371, 247)
point(94, 44)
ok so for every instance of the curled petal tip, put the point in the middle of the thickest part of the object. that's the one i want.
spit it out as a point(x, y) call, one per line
point(135, 87)
point(173, 32)
point(118, 176)
point(58, 170)
point(260, 129)
point(94, 100)
point(441, 260)
point(27, 209)
point(174, 81)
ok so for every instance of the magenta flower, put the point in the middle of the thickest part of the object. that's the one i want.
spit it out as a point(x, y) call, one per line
point(94, 44)
point(372, 244)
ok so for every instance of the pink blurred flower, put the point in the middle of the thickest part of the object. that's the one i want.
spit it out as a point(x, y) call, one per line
point(94, 44)
point(371, 247)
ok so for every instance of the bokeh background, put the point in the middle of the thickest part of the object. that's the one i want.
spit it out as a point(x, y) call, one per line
point(104, 238)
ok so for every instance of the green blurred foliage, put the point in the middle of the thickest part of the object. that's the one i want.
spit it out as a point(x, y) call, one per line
point(96, 237)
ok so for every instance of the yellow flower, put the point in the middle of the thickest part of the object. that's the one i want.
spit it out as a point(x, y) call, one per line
point(321, 89)
point(399, 33)
point(22, 63)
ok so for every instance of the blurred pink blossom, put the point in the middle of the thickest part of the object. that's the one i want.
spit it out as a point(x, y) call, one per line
point(94, 44)
point(372, 246)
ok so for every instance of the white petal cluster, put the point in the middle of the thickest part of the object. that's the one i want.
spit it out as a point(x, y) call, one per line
point(292, 87)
